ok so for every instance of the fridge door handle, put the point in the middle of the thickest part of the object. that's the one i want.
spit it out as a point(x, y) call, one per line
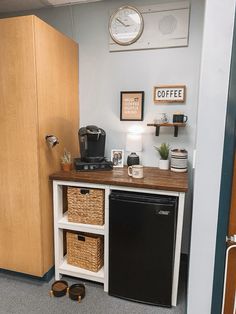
point(163, 212)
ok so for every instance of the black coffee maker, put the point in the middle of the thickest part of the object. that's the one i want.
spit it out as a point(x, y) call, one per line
point(92, 143)
point(92, 148)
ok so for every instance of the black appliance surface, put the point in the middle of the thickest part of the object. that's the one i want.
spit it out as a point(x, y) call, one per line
point(90, 166)
point(92, 143)
point(142, 231)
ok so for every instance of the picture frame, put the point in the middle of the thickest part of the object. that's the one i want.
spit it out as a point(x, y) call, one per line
point(117, 157)
point(169, 94)
point(131, 105)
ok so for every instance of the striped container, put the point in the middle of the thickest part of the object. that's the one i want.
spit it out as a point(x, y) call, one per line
point(179, 160)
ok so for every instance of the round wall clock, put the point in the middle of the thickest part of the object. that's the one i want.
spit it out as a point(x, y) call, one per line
point(126, 25)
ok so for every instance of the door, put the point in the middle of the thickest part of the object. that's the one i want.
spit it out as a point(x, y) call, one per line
point(229, 298)
point(226, 215)
point(57, 96)
point(141, 247)
point(20, 242)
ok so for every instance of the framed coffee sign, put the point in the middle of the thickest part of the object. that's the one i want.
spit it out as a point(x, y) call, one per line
point(131, 106)
point(169, 93)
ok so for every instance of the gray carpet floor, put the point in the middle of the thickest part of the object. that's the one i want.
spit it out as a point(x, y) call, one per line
point(23, 295)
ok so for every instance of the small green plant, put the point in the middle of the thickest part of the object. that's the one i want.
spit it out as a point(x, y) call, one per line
point(66, 157)
point(163, 150)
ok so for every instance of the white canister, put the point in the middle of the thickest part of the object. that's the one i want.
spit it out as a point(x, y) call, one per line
point(179, 160)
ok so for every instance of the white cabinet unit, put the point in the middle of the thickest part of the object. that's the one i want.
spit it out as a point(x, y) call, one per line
point(155, 181)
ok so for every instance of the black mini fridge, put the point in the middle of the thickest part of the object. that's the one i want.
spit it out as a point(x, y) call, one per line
point(141, 246)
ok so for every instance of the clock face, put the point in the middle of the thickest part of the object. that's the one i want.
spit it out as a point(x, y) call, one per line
point(126, 25)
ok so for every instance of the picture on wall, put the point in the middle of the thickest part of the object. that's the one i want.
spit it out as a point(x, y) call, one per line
point(169, 93)
point(131, 106)
point(117, 157)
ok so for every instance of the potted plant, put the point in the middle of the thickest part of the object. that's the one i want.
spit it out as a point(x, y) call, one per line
point(163, 150)
point(66, 161)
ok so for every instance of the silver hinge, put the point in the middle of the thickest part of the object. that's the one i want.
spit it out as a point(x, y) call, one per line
point(231, 238)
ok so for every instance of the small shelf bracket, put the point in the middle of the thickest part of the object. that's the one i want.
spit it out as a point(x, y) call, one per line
point(157, 130)
point(176, 131)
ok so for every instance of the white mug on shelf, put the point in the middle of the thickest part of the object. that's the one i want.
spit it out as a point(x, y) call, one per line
point(135, 171)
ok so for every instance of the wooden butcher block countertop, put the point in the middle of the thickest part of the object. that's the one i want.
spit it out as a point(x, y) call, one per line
point(154, 178)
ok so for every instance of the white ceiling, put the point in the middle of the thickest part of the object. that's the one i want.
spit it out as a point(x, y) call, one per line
point(22, 5)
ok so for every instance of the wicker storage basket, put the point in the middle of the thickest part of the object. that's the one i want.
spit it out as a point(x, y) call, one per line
point(85, 205)
point(85, 250)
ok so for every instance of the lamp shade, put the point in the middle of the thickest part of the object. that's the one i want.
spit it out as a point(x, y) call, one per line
point(133, 142)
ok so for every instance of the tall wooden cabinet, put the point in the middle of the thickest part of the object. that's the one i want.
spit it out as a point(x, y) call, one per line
point(38, 96)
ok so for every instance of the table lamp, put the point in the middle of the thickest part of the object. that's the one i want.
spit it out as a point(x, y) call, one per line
point(133, 145)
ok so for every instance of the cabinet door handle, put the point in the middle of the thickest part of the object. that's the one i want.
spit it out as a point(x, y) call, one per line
point(84, 191)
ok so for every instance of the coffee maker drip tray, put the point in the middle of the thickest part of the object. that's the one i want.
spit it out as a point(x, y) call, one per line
point(90, 166)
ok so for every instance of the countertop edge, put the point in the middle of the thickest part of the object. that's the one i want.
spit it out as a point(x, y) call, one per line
point(141, 185)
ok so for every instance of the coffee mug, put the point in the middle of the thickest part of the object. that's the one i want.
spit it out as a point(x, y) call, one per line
point(179, 118)
point(135, 171)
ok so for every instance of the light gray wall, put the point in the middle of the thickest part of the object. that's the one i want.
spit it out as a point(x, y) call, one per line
point(103, 75)
point(216, 55)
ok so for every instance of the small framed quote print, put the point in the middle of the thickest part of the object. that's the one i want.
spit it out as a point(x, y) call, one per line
point(169, 93)
point(131, 106)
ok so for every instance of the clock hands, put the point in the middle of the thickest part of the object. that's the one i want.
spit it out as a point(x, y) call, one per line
point(121, 22)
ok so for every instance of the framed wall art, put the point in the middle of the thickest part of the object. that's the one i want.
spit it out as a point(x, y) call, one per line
point(117, 157)
point(169, 93)
point(131, 106)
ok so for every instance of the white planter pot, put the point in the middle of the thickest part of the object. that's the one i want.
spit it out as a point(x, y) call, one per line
point(164, 164)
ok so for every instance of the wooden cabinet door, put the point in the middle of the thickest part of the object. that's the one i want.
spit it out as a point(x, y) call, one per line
point(57, 92)
point(20, 242)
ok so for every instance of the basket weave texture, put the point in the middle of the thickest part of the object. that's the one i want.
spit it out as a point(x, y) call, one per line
point(85, 205)
point(85, 250)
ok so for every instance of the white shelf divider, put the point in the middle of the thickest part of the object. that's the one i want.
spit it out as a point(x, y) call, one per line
point(74, 271)
point(63, 223)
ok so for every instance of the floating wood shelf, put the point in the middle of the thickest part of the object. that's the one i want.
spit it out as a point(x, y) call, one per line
point(175, 125)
